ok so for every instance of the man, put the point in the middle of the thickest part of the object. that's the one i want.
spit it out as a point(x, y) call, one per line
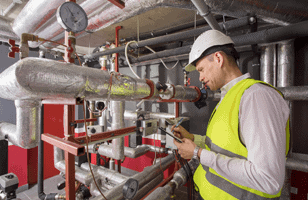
point(244, 151)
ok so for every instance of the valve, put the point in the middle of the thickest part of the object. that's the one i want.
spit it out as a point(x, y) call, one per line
point(160, 86)
point(13, 49)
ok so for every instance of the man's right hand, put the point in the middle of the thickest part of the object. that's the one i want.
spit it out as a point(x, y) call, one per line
point(181, 132)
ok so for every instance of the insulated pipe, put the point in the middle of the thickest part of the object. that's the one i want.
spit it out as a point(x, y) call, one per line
point(148, 187)
point(26, 132)
point(205, 12)
point(179, 179)
point(285, 78)
point(273, 35)
point(296, 164)
point(34, 78)
point(268, 64)
point(133, 115)
point(292, 93)
point(6, 31)
point(170, 38)
point(143, 178)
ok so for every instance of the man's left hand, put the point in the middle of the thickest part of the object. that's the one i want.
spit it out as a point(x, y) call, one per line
point(186, 149)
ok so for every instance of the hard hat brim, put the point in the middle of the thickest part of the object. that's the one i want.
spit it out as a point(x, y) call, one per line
point(190, 68)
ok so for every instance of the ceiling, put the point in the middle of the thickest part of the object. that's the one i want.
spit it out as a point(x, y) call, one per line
point(281, 12)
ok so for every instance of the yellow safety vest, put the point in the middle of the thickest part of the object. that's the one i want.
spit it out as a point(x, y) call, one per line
point(222, 137)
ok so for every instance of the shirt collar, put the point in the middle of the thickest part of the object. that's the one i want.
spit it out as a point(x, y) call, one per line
point(232, 83)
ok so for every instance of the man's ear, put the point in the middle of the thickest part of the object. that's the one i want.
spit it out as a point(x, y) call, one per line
point(218, 58)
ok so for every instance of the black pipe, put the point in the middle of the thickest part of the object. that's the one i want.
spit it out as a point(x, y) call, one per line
point(170, 38)
point(273, 35)
point(40, 179)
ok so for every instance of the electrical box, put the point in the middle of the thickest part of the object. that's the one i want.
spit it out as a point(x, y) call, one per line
point(149, 127)
point(95, 129)
point(9, 184)
point(169, 139)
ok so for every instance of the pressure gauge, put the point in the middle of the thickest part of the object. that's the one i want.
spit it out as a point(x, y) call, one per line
point(72, 17)
point(130, 188)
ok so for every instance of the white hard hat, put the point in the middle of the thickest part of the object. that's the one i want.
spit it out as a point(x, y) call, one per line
point(205, 41)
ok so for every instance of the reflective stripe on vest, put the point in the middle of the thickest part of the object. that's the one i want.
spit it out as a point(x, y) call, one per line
point(231, 189)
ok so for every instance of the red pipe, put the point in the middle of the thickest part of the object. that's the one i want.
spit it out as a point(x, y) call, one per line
point(116, 62)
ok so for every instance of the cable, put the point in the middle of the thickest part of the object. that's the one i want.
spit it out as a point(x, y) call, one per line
point(87, 142)
point(126, 56)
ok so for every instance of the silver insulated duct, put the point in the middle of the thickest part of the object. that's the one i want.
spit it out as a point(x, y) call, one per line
point(34, 78)
point(26, 132)
point(6, 31)
point(38, 16)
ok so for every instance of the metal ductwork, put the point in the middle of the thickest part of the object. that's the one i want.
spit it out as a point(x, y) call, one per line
point(6, 31)
point(34, 78)
point(274, 11)
point(26, 132)
point(38, 16)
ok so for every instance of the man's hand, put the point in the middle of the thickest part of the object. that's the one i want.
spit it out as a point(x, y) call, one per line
point(181, 132)
point(186, 149)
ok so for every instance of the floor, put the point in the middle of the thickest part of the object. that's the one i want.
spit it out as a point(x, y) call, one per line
point(50, 186)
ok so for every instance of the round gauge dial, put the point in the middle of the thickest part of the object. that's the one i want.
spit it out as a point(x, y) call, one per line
point(72, 17)
point(130, 188)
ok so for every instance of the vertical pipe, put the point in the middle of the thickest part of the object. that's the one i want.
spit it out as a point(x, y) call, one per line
point(3, 157)
point(117, 114)
point(69, 117)
point(177, 109)
point(268, 64)
point(92, 107)
point(117, 44)
point(286, 62)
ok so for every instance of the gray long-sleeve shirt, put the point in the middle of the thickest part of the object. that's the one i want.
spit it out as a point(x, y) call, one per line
point(263, 115)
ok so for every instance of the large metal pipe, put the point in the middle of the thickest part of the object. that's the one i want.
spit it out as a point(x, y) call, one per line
point(170, 38)
point(275, 11)
point(268, 64)
point(26, 132)
point(292, 93)
point(205, 12)
point(34, 78)
point(260, 37)
point(143, 178)
point(285, 78)
point(6, 31)
point(133, 115)
point(296, 164)
point(116, 150)
point(179, 179)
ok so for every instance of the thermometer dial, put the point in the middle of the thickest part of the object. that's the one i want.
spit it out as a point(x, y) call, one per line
point(72, 17)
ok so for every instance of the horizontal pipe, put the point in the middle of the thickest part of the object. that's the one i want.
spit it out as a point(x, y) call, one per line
point(179, 179)
point(296, 164)
point(143, 178)
point(273, 35)
point(34, 78)
point(291, 93)
point(148, 187)
point(168, 38)
point(133, 115)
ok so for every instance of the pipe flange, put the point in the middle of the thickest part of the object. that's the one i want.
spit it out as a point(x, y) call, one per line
point(168, 93)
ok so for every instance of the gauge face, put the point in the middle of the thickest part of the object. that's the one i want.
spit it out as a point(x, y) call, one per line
point(130, 188)
point(72, 17)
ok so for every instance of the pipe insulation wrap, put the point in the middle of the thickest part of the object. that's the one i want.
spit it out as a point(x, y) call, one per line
point(6, 31)
point(144, 177)
point(26, 132)
point(35, 78)
point(182, 93)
